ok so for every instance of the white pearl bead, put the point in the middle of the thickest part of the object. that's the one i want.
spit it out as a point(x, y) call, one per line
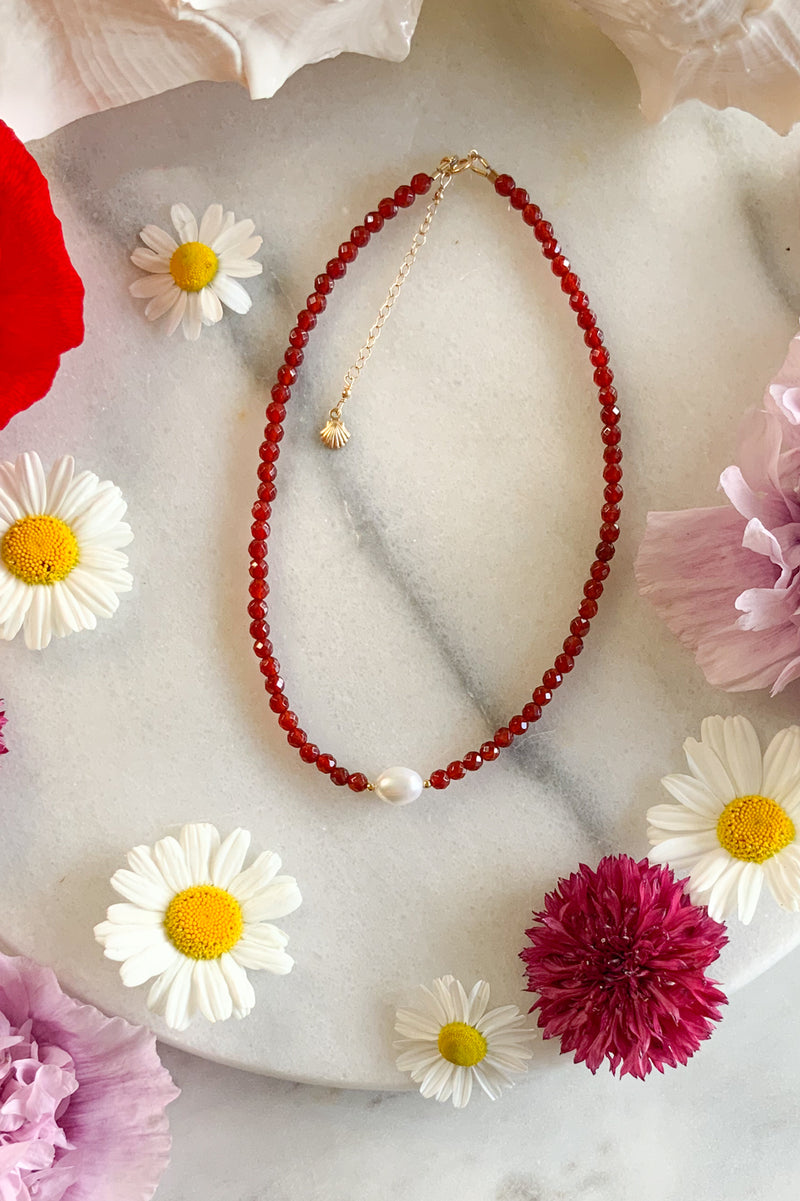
point(398, 785)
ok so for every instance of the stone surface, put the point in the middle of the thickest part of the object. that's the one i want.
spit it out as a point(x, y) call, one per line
point(424, 577)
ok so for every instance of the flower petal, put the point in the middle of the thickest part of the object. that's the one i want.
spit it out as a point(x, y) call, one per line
point(251, 952)
point(751, 878)
point(176, 312)
point(147, 963)
point(184, 221)
point(229, 858)
point(256, 877)
point(178, 1006)
point(239, 232)
point(241, 990)
point(705, 764)
point(151, 285)
point(210, 991)
point(158, 240)
point(149, 261)
point(782, 765)
point(192, 317)
point(200, 841)
point(171, 862)
point(277, 899)
point(210, 225)
point(230, 293)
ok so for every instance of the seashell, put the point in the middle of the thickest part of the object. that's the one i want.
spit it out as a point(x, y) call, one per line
point(91, 55)
point(728, 53)
point(335, 433)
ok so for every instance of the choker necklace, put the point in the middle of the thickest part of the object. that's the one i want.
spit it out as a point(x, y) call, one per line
point(399, 785)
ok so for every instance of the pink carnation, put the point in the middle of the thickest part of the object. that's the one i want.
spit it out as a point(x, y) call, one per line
point(82, 1097)
point(618, 958)
point(727, 580)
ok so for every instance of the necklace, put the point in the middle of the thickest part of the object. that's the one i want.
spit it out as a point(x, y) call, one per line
point(399, 785)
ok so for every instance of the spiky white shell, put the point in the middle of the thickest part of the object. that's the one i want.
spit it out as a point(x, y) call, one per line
point(728, 53)
point(91, 55)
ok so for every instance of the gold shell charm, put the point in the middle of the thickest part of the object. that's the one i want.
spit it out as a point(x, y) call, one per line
point(335, 433)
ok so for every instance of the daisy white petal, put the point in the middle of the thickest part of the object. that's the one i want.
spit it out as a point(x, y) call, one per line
point(676, 817)
point(261, 872)
point(15, 610)
point(31, 483)
point(694, 794)
point(178, 1005)
point(782, 765)
point(210, 991)
point(751, 880)
point(171, 862)
point(193, 317)
point(742, 755)
point(184, 221)
point(160, 988)
point(240, 268)
point(149, 261)
point(707, 767)
point(176, 311)
point(231, 293)
point(239, 232)
point(59, 482)
point(241, 990)
point(140, 891)
point(38, 625)
point(151, 285)
point(478, 1001)
point(125, 914)
point(210, 306)
point(684, 847)
point(158, 240)
point(229, 858)
point(241, 252)
point(200, 841)
point(146, 964)
point(722, 896)
point(278, 899)
point(210, 225)
point(251, 952)
point(163, 302)
point(708, 869)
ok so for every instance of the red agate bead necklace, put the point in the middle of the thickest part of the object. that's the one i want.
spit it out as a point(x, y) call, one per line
point(400, 785)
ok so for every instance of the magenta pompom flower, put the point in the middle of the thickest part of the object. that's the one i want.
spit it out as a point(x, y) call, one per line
point(618, 958)
point(3, 720)
point(82, 1096)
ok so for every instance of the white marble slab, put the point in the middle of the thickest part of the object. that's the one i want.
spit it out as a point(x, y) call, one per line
point(424, 578)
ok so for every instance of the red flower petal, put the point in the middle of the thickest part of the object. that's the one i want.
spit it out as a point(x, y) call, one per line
point(41, 294)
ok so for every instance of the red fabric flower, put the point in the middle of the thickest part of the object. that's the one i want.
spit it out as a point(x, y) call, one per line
point(41, 294)
point(618, 960)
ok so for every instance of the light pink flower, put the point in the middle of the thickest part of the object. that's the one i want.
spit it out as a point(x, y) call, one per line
point(727, 580)
point(82, 1097)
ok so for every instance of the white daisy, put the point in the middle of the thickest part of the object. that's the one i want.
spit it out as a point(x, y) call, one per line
point(60, 563)
point(188, 279)
point(451, 1041)
point(734, 825)
point(194, 919)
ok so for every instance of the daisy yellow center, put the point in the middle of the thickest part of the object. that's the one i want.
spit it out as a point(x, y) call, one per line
point(754, 828)
point(40, 549)
point(193, 266)
point(203, 922)
point(461, 1044)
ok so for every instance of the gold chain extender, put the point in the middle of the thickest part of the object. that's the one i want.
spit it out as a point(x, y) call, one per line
point(334, 433)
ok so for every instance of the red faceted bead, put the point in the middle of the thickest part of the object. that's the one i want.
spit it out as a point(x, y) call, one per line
point(573, 645)
point(550, 248)
point(599, 356)
point(404, 196)
point(340, 776)
point(586, 319)
point(611, 435)
point(489, 751)
point(542, 696)
point(551, 678)
point(305, 319)
point(259, 530)
point(570, 283)
point(531, 214)
point(326, 764)
point(610, 513)
point(439, 779)
point(262, 649)
point(613, 493)
point(587, 609)
point(593, 337)
point(287, 719)
point(560, 265)
point(309, 752)
point(387, 208)
point(316, 303)
point(266, 489)
point(274, 685)
point(421, 183)
point(518, 724)
point(599, 570)
point(373, 222)
point(604, 551)
point(260, 512)
point(456, 770)
point(336, 269)
point(519, 198)
point(323, 284)
point(270, 667)
point(564, 663)
point(503, 737)
point(612, 473)
point(607, 396)
point(613, 454)
point(578, 301)
point(579, 626)
point(281, 394)
point(504, 185)
point(275, 412)
point(357, 781)
point(259, 631)
point(274, 432)
point(610, 415)
point(257, 550)
point(259, 590)
point(543, 231)
point(359, 236)
point(348, 252)
point(280, 704)
point(286, 375)
point(531, 712)
point(593, 589)
point(298, 337)
point(472, 761)
point(296, 738)
point(603, 377)
point(293, 356)
point(256, 610)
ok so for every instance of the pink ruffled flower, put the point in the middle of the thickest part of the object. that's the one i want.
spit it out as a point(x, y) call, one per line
point(727, 580)
point(82, 1097)
point(3, 720)
point(618, 958)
